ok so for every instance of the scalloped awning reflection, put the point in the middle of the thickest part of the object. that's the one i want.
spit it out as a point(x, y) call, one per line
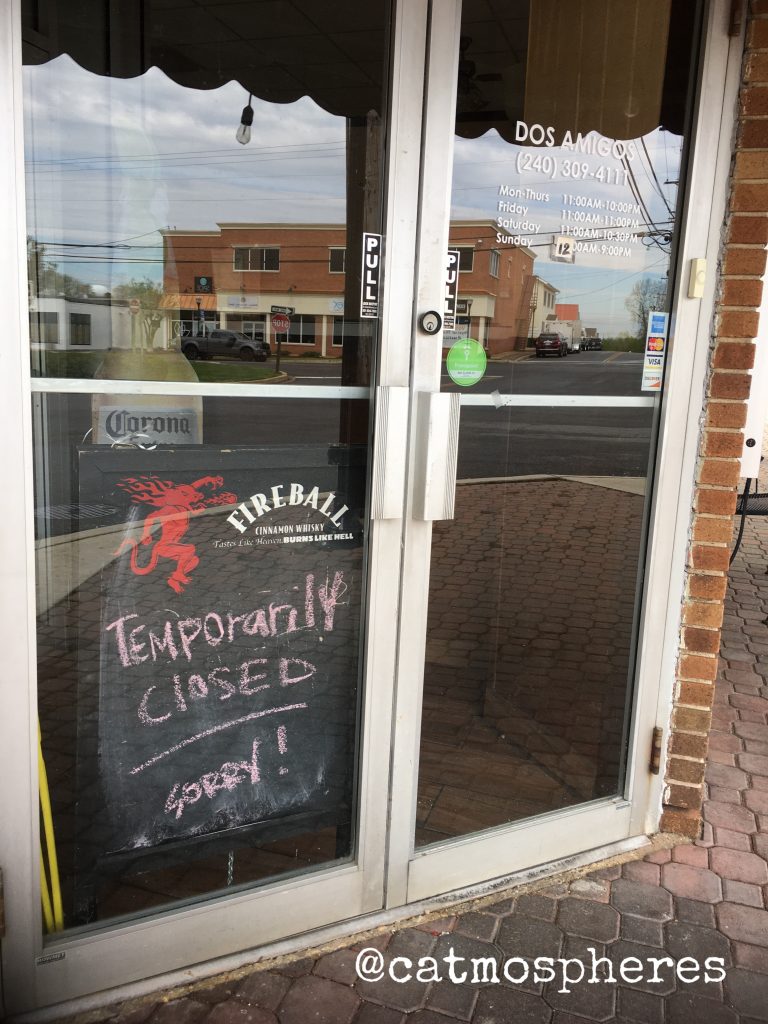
point(330, 50)
point(580, 65)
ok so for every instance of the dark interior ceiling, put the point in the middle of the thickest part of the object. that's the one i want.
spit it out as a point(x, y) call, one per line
point(335, 52)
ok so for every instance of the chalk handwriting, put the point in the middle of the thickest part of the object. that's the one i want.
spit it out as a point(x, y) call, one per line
point(282, 745)
point(214, 729)
point(228, 777)
point(137, 641)
point(329, 595)
point(221, 683)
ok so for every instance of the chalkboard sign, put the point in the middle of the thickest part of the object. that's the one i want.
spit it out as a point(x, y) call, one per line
point(223, 642)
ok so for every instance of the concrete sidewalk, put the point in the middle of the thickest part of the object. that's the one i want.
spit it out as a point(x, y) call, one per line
point(701, 900)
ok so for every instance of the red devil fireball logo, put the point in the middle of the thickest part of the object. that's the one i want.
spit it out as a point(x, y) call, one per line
point(174, 504)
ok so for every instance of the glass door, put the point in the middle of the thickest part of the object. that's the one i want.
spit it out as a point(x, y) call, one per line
point(206, 200)
point(564, 183)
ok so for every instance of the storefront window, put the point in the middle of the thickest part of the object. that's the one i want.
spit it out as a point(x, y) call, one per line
point(44, 328)
point(302, 331)
point(80, 328)
point(200, 556)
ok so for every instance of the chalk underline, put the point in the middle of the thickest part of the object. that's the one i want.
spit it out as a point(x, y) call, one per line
point(210, 732)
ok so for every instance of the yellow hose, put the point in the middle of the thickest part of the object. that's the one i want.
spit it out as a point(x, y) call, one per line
point(47, 912)
point(50, 844)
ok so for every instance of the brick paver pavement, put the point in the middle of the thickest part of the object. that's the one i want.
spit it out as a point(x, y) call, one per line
point(531, 601)
point(689, 903)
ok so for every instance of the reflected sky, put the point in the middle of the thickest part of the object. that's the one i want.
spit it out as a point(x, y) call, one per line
point(111, 162)
point(599, 282)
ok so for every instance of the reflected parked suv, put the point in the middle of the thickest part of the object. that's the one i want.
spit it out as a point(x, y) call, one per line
point(226, 343)
point(551, 344)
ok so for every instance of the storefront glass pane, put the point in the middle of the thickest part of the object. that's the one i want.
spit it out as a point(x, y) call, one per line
point(201, 557)
point(149, 218)
point(570, 148)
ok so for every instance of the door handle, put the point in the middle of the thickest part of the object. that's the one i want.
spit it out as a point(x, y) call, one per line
point(434, 491)
point(389, 455)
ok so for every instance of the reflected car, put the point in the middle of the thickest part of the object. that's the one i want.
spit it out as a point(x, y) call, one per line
point(551, 344)
point(219, 343)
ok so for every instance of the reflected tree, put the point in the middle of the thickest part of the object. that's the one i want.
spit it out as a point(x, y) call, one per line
point(648, 294)
point(45, 279)
point(151, 316)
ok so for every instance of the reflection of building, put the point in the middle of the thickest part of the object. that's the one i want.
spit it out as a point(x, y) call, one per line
point(567, 320)
point(495, 283)
point(60, 323)
point(567, 311)
point(543, 299)
point(246, 269)
point(250, 268)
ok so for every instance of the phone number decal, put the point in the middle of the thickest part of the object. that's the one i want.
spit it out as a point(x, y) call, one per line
point(554, 167)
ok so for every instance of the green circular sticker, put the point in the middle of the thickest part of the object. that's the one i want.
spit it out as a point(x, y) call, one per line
point(466, 362)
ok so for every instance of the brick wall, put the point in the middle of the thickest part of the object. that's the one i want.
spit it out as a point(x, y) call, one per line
point(732, 354)
point(511, 299)
point(304, 259)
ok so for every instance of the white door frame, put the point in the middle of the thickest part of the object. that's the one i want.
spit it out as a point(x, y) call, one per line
point(480, 857)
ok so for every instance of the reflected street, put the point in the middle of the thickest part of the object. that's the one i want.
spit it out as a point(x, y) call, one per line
point(550, 440)
point(505, 442)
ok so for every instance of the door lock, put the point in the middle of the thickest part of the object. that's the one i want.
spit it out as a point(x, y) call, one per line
point(430, 322)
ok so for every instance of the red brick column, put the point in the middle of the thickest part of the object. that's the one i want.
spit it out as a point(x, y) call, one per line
point(742, 264)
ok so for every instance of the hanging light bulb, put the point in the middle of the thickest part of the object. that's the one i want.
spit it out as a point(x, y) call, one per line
point(243, 133)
